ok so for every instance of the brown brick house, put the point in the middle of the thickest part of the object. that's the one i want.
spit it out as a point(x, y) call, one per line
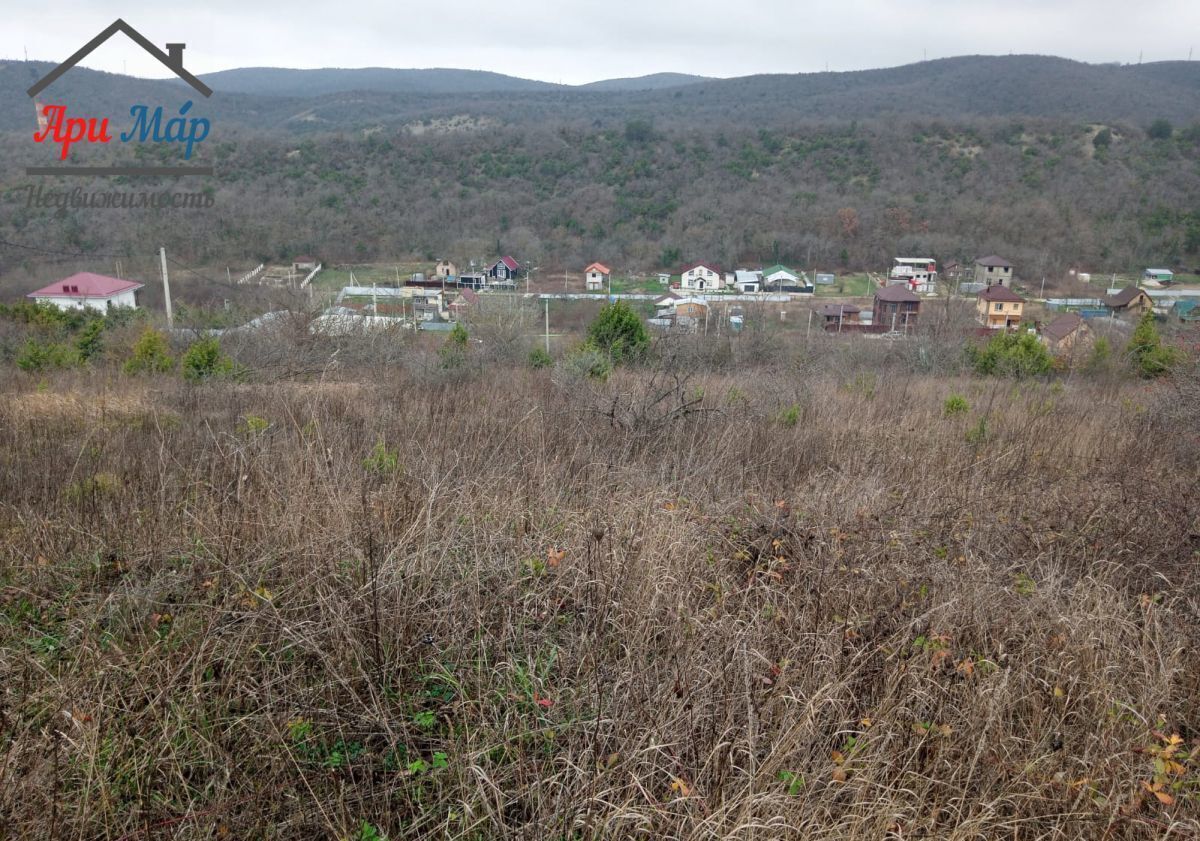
point(896, 308)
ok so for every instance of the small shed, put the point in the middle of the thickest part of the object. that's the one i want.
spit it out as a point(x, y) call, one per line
point(596, 276)
point(840, 313)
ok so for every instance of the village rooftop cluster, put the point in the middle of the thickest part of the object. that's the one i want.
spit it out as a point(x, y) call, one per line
point(696, 292)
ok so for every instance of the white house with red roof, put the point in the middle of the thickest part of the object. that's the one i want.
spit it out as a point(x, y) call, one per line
point(596, 275)
point(701, 277)
point(88, 291)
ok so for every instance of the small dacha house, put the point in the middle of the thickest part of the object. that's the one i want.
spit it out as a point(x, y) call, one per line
point(505, 269)
point(88, 291)
point(839, 314)
point(1131, 299)
point(596, 276)
point(1065, 333)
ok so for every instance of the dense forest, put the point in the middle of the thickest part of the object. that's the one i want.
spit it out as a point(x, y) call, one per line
point(648, 180)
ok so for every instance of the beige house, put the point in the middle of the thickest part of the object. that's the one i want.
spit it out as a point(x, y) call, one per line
point(1130, 299)
point(445, 269)
point(1066, 333)
point(993, 271)
point(999, 307)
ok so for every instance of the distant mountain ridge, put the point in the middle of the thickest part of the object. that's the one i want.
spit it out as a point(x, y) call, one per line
point(654, 81)
point(968, 87)
point(277, 81)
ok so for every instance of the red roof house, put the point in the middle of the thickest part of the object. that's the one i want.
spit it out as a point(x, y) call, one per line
point(87, 289)
point(506, 268)
point(596, 275)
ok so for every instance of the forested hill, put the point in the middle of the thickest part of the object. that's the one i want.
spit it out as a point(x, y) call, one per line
point(1049, 163)
point(277, 81)
point(316, 100)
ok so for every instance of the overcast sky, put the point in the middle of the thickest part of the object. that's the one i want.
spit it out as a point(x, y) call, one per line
point(583, 40)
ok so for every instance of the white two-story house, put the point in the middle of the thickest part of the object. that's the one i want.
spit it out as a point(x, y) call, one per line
point(701, 277)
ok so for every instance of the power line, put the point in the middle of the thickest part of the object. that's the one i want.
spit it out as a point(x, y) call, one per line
point(189, 269)
point(98, 255)
point(73, 254)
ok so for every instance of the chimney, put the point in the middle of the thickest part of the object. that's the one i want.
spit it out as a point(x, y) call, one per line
point(175, 55)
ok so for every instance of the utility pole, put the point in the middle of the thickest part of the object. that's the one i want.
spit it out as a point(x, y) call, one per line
point(228, 276)
point(547, 300)
point(1042, 294)
point(162, 253)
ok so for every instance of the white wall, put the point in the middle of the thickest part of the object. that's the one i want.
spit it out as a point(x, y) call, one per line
point(122, 299)
point(691, 279)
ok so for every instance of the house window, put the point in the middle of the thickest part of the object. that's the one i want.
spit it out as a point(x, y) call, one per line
point(999, 307)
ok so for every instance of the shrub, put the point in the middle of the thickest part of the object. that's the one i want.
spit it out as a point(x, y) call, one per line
point(88, 343)
point(151, 354)
point(1150, 357)
point(588, 361)
point(539, 358)
point(203, 360)
point(1011, 355)
point(977, 434)
point(454, 352)
point(1100, 355)
point(955, 404)
point(1103, 139)
point(618, 332)
point(1160, 129)
point(639, 131)
point(38, 356)
point(381, 461)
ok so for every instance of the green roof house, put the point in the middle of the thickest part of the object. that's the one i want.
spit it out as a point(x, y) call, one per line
point(1187, 310)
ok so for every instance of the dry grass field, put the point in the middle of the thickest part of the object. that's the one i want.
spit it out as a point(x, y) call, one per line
point(757, 603)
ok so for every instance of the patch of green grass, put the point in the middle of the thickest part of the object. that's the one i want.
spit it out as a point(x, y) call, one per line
point(847, 286)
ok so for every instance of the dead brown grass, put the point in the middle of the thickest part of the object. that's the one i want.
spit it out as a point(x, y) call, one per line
point(810, 608)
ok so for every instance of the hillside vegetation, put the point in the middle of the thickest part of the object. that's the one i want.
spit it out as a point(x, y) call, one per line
point(436, 594)
point(650, 194)
point(1049, 162)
